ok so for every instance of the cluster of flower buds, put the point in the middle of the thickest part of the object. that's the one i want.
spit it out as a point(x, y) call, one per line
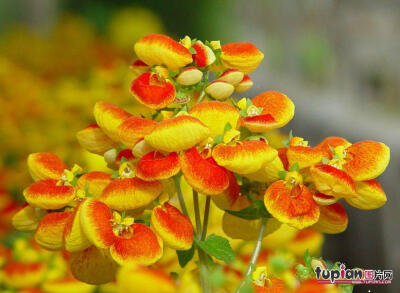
point(197, 133)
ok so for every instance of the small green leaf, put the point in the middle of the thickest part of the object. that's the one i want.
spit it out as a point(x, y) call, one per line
point(325, 160)
point(295, 167)
point(285, 143)
point(227, 127)
point(282, 175)
point(243, 113)
point(218, 247)
point(218, 139)
point(192, 50)
point(249, 213)
point(184, 256)
point(307, 258)
point(115, 174)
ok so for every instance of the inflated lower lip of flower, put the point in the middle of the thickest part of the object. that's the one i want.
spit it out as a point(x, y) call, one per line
point(193, 139)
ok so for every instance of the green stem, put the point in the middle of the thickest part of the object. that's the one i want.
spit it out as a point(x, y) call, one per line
point(256, 253)
point(206, 216)
point(202, 256)
point(180, 196)
point(197, 213)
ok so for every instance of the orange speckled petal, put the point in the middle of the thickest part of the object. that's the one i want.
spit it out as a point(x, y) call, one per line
point(215, 115)
point(96, 182)
point(95, 218)
point(50, 231)
point(156, 166)
point(243, 56)
point(26, 219)
point(275, 104)
point(333, 142)
point(370, 195)
point(109, 117)
point(332, 181)
point(332, 220)
point(227, 199)
point(173, 227)
point(22, 275)
point(46, 194)
point(177, 134)
point(260, 123)
point(204, 55)
point(245, 157)
point(152, 92)
point(143, 247)
point(130, 193)
point(295, 207)
point(238, 228)
point(204, 175)
point(133, 278)
point(156, 49)
point(94, 140)
point(74, 236)
point(304, 156)
point(366, 160)
point(93, 266)
point(134, 129)
point(45, 166)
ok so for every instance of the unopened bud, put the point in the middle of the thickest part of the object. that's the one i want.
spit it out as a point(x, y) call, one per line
point(219, 89)
point(190, 76)
point(204, 55)
point(233, 76)
point(110, 156)
point(244, 85)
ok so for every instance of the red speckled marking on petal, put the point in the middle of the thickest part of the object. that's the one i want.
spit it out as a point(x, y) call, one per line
point(172, 226)
point(204, 175)
point(143, 247)
point(155, 166)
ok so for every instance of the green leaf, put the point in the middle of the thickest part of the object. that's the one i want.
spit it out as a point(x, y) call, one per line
point(282, 175)
point(184, 256)
point(255, 211)
point(239, 179)
point(307, 258)
point(192, 50)
point(115, 174)
point(227, 127)
point(295, 167)
point(304, 273)
point(285, 143)
point(325, 160)
point(249, 213)
point(218, 247)
point(218, 139)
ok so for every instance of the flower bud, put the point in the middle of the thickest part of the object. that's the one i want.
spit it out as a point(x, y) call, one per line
point(190, 76)
point(219, 89)
point(233, 76)
point(204, 55)
point(244, 85)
